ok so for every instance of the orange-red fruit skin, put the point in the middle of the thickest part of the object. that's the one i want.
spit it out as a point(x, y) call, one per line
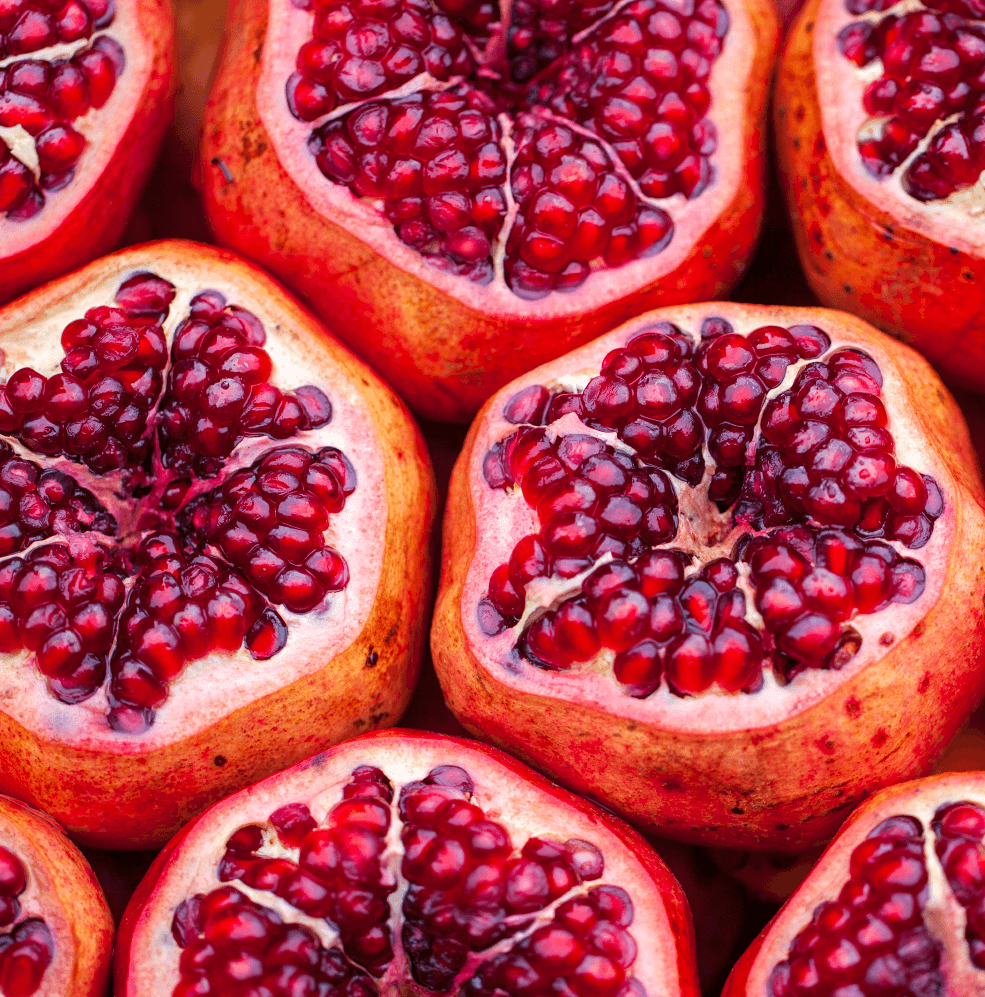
point(74, 906)
point(137, 797)
point(787, 786)
point(858, 257)
point(444, 357)
point(460, 751)
point(97, 224)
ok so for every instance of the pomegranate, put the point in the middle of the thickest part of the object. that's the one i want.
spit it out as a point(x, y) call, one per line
point(406, 862)
point(880, 122)
point(213, 547)
point(713, 570)
point(86, 93)
point(492, 184)
point(56, 933)
point(892, 905)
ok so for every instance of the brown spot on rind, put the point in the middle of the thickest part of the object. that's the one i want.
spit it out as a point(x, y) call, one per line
point(924, 684)
point(852, 706)
point(887, 639)
point(879, 738)
point(825, 745)
point(219, 761)
point(371, 658)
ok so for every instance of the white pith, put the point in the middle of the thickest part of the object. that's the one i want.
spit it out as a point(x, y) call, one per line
point(503, 517)
point(840, 89)
point(504, 796)
point(944, 917)
point(729, 76)
point(220, 683)
point(103, 128)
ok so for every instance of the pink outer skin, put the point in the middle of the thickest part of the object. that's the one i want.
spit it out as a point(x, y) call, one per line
point(139, 935)
point(785, 775)
point(62, 890)
point(916, 271)
point(105, 198)
point(444, 353)
point(750, 974)
point(118, 791)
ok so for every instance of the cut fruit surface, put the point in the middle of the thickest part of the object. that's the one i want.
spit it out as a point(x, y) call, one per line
point(706, 539)
point(404, 860)
point(200, 492)
point(541, 167)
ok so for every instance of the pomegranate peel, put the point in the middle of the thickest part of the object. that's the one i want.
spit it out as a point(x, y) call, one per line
point(931, 890)
point(525, 625)
point(113, 75)
point(442, 339)
point(911, 266)
point(650, 937)
point(56, 927)
point(230, 598)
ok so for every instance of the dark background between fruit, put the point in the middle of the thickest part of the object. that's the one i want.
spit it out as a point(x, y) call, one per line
point(727, 915)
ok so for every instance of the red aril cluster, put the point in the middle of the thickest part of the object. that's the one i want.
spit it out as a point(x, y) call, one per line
point(469, 889)
point(930, 96)
point(607, 113)
point(873, 938)
point(191, 572)
point(959, 829)
point(802, 465)
point(45, 96)
point(27, 948)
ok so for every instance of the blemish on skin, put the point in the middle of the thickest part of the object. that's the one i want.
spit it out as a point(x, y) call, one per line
point(796, 143)
point(848, 288)
point(887, 639)
point(223, 169)
point(852, 706)
point(825, 745)
point(371, 658)
point(219, 761)
point(919, 629)
point(924, 683)
point(879, 738)
point(738, 811)
point(820, 146)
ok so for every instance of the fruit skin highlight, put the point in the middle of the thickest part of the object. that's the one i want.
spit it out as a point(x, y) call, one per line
point(786, 784)
point(885, 257)
point(64, 892)
point(120, 791)
point(445, 354)
point(100, 205)
point(531, 805)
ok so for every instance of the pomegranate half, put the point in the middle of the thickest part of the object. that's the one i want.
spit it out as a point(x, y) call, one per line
point(715, 569)
point(880, 125)
point(407, 862)
point(86, 93)
point(56, 933)
point(892, 906)
point(214, 547)
point(463, 190)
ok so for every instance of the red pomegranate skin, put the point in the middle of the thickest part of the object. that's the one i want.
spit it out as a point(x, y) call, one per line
point(444, 356)
point(779, 786)
point(96, 225)
point(63, 892)
point(137, 792)
point(898, 272)
point(131, 975)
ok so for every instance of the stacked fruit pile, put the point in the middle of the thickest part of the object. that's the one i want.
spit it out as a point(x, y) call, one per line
point(712, 552)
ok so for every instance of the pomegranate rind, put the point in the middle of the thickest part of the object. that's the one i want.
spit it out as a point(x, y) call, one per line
point(918, 798)
point(62, 890)
point(445, 344)
point(88, 217)
point(520, 798)
point(914, 270)
point(211, 738)
point(753, 771)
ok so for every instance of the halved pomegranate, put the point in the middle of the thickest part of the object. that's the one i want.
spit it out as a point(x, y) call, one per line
point(86, 90)
point(892, 906)
point(56, 933)
point(463, 190)
point(214, 530)
point(880, 123)
point(405, 862)
point(714, 569)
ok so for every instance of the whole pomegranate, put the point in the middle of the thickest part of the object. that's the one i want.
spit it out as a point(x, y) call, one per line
point(716, 569)
point(880, 124)
point(56, 933)
point(465, 189)
point(214, 527)
point(406, 862)
point(890, 908)
point(86, 90)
